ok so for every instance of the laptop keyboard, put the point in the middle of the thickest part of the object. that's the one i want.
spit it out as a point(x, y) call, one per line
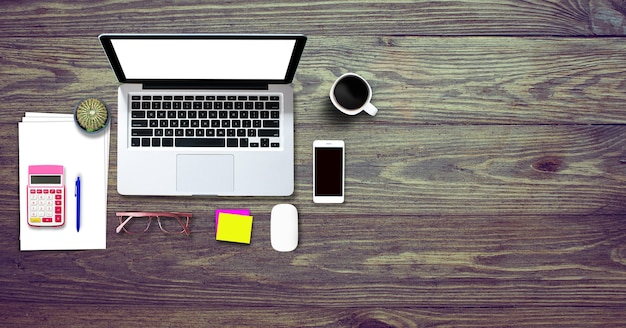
point(242, 121)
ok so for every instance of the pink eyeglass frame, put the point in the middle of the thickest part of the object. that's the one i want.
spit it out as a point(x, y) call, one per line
point(150, 215)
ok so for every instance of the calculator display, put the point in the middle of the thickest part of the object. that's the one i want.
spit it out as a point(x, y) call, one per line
point(45, 179)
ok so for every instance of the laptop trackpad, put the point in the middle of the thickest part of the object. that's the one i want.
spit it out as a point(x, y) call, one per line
point(205, 174)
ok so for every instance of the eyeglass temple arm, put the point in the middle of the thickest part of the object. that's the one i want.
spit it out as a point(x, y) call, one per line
point(121, 226)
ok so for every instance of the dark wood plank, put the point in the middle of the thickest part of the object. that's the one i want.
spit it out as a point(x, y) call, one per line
point(80, 315)
point(489, 190)
point(436, 216)
point(425, 80)
point(505, 17)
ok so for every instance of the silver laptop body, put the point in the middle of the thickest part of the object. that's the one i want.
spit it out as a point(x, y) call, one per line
point(205, 114)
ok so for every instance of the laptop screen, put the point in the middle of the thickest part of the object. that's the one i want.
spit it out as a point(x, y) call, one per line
point(144, 58)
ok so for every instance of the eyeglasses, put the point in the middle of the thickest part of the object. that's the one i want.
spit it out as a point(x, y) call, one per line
point(169, 222)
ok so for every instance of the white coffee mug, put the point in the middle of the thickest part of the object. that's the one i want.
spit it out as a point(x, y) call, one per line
point(351, 94)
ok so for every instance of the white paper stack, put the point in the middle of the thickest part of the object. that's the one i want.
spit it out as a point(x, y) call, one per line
point(55, 139)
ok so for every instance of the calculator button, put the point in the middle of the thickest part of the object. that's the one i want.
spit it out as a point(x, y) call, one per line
point(39, 191)
point(47, 219)
point(58, 191)
point(57, 218)
point(57, 196)
point(35, 220)
point(32, 191)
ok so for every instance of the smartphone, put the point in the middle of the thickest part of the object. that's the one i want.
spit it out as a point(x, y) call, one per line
point(328, 171)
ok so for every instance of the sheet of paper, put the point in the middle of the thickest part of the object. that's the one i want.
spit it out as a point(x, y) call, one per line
point(56, 140)
point(234, 228)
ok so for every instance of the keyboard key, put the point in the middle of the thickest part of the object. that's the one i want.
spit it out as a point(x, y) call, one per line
point(135, 142)
point(271, 123)
point(139, 123)
point(138, 114)
point(272, 105)
point(268, 132)
point(167, 142)
point(200, 142)
point(233, 142)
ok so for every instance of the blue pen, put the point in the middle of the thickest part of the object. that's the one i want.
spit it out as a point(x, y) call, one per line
point(77, 194)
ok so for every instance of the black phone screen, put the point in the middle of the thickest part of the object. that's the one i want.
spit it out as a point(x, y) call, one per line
point(328, 171)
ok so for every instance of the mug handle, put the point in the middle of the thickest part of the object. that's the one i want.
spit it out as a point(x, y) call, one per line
point(370, 109)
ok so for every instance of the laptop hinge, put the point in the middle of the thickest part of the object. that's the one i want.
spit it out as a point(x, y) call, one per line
point(199, 86)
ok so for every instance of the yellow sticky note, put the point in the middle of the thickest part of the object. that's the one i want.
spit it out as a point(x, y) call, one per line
point(234, 228)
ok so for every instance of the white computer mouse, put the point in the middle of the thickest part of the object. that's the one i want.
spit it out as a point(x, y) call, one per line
point(284, 227)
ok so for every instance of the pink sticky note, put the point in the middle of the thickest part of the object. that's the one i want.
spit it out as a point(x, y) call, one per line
point(229, 211)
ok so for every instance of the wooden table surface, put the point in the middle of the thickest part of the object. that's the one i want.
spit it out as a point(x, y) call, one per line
point(490, 190)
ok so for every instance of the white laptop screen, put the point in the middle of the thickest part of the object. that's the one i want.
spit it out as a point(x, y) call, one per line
point(203, 58)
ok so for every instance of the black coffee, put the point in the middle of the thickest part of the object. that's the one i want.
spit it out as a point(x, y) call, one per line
point(351, 92)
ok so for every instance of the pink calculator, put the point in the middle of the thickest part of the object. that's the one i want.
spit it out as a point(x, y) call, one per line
point(46, 196)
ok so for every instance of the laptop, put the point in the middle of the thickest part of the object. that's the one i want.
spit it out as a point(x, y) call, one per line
point(205, 114)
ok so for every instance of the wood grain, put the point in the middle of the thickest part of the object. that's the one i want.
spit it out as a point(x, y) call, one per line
point(420, 17)
point(182, 316)
point(488, 191)
point(425, 80)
